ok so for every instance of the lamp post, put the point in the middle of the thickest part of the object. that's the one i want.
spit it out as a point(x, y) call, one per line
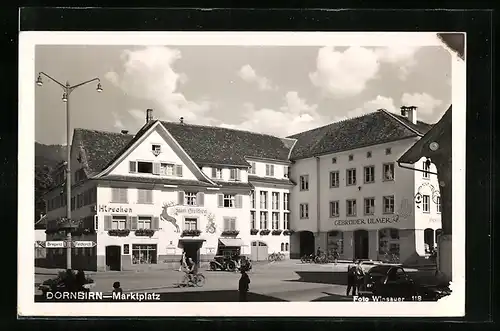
point(67, 89)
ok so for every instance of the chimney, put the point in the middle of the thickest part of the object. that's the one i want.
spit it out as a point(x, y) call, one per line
point(124, 131)
point(181, 120)
point(410, 112)
point(149, 115)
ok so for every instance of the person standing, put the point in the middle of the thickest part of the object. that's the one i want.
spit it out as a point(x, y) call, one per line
point(360, 276)
point(182, 261)
point(351, 280)
point(243, 285)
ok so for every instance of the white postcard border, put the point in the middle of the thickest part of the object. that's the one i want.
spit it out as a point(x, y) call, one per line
point(453, 305)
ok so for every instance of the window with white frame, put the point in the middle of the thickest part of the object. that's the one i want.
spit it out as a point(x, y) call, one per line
point(276, 221)
point(388, 204)
point(388, 169)
point(275, 200)
point(304, 182)
point(167, 169)
point(286, 204)
point(252, 170)
point(304, 210)
point(229, 200)
point(216, 173)
point(263, 220)
point(144, 254)
point(229, 223)
point(270, 170)
point(119, 195)
point(235, 174)
point(119, 222)
point(351, 207)
point(351, 176)
point(190, 224)
point(334, 208)
point(252, 199)
point(253, 221)
point(426, 201)
point(334, 179)
point(369, 174)
point(144, 222)
point(263, 199)
point(426, 166)
point(438, 204)
point(190, 198)
point(286, 221)
point(369, 206)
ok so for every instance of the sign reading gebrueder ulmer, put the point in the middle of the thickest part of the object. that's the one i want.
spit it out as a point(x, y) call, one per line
point(362, 221)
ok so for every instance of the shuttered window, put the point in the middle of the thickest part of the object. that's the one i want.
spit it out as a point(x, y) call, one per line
point(144, 196)
point(132, 167)
point(229, 223)
point(119, 195)
point(200, 199)
point(178, 170)
point(230, 201)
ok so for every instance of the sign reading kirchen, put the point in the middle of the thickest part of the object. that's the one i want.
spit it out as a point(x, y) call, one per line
point(360, 221)
point(117, 209)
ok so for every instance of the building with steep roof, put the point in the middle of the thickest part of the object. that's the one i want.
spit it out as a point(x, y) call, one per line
point(175, 187)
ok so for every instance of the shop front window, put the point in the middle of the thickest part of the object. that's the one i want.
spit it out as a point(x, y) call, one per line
point(389, 248)
point(335, 242)
point(144, 254)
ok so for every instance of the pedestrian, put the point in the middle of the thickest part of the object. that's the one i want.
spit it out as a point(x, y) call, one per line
point(117, 287)
point(182, 261)
point(351, 280)
point(360, 276)
point(243, 286)
point(335, 256)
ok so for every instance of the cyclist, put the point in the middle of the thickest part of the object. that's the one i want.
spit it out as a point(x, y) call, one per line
point(191, 269)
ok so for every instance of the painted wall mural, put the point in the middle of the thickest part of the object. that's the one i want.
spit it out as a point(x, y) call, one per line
point(426, 188)
point(211, 227)
point(165, 216)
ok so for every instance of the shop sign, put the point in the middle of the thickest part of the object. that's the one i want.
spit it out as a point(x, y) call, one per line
point(114, 209)
point(369, 221)
point(191, 210)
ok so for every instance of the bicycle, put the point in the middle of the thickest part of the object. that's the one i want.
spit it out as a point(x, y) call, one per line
point(195, 280)
point(273, 257)
point(308, 258)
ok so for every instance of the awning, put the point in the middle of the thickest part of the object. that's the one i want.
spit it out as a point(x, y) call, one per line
point(191, 240)
point(231, 242)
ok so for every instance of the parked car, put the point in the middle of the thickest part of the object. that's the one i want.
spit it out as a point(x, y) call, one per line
point(393, 281)
point(224, 263)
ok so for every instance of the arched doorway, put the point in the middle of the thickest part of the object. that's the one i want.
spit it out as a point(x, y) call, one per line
point(428, 240)
point(438, 233)
point(306, 243)
point(335, 242)
point(388, 245)
point(361, 247)
point(259, 251)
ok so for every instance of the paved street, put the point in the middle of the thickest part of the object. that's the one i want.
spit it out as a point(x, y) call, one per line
point(278, 281)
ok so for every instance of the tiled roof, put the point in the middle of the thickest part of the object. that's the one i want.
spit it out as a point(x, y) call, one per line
point(99, 147)
point(233, 184)
point(371, 129)
point(270, 180)
point(152, 180)
point(208, 145)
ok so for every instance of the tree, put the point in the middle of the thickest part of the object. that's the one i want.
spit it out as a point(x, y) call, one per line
point(43, 182)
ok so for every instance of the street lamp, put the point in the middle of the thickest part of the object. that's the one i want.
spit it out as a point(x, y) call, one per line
point(67, 89)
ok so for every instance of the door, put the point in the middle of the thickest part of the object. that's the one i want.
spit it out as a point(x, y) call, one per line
point(262, 251)
point(192, 251)
point(113, 258)
point(361, 244)
point(254, 251)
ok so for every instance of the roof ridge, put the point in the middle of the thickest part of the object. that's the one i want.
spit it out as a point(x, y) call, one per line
point(103, 131)
point(393, 116)
point(224, 128)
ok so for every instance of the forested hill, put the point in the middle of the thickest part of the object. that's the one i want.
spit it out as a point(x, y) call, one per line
point(46, 158)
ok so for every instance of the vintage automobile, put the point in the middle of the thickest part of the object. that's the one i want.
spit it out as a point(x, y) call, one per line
point(230, 263)
point(393, 281)
point(60, 284)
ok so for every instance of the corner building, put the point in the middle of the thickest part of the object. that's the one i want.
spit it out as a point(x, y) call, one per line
point(174, 187)
point(352, 196)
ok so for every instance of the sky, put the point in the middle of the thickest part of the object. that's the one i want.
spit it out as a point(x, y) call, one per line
point(278, 90)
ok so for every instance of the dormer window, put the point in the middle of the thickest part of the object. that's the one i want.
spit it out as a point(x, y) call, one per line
point(217, 173)
point(235, 174)
point(251, 170)
point(155, 168)
point(270, 170)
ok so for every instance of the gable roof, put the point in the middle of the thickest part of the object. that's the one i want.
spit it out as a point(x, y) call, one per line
point(210, 145)
point(367, 130)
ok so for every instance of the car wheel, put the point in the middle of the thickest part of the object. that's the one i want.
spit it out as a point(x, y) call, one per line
point(213, 266)
point(231, 266)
